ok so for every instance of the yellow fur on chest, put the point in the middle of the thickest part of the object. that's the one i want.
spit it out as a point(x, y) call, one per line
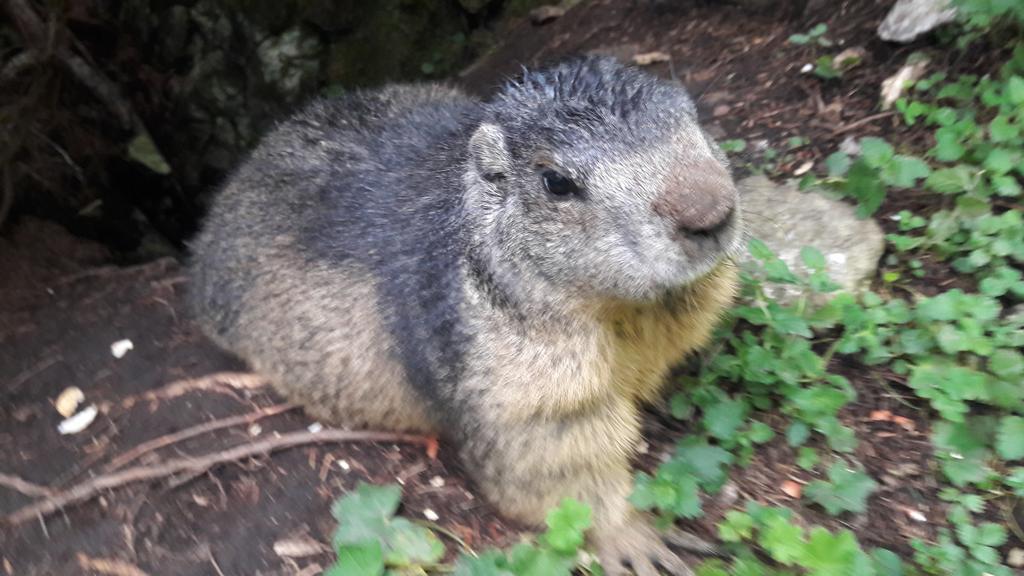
point(646, 340)
point(621, 352)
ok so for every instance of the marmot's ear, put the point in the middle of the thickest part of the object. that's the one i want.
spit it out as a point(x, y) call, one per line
point(489, 154)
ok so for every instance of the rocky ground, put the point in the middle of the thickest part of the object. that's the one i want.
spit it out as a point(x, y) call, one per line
point(64, 305)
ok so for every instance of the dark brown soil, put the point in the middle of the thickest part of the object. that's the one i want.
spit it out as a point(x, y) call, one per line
point(62, 307)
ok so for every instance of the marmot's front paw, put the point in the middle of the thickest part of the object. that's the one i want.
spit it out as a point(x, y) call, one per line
point(638, 547)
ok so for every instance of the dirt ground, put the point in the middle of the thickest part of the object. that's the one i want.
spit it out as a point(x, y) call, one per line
point(63, 305)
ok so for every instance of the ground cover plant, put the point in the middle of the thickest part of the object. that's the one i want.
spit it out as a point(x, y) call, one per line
point(956, 351)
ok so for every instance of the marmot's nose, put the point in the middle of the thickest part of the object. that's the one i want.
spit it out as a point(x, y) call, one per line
point(699, 201)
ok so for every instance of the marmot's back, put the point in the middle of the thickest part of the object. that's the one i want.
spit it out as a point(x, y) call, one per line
point(279, 272)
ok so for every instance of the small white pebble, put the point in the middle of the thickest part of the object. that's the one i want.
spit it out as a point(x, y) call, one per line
point(78, 422)
point(1016, 557)
point(956, 456)
point(837, 259)
point(121, 347)
point(315, 427)
point(895, 218)
point(437, 482)
point(643, 447)
point(344, 465)
point(917, 516)
point(807, 68)
point(68, 401)
point(430, 515)
point(804, 168)
point(400, 480)
point(255, 430)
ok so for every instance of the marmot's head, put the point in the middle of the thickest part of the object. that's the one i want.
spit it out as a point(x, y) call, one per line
point(597, 177)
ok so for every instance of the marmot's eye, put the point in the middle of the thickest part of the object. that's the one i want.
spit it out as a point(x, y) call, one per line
point(558, 184)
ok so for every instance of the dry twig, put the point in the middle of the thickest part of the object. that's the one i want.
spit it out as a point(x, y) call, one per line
point(193, 431)
point(192, 465)
point(111, 566)
point(24, 486)
point(236, 380)
point(861, 122)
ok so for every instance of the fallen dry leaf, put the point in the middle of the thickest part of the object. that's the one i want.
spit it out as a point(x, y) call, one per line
point(893, 86)
point(880, 416)
point(68, 400)
point(905, 423)
point(298, 547)
point(648, 58)
point(110, 566)
point(792, 489)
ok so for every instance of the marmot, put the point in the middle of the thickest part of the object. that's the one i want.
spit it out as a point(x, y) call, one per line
point(517, 275)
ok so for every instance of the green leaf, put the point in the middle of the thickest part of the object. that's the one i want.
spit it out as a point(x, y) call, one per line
point(905, 171)
point(733, 146)
point(566, 525)
point(760, 433)
point(991, 534)
point(1010, 438)
point(364, 559)
point(782, 540)
point(368, 502)
point(1001, 130)
point(1006, 363)
point(760, 250)
point(1015, 89)
point(797, 433)
point(947, 145)
point(409, 544)
point(1000, 160)
point(863, 184)
point(489, 563)
point(365, 513)
point(886, 563)
point(837, 163)
point(736, 526)
point(951, 180)
point(526, 560)
point(807, 458)
point(846, 491)
point(832, 555)
point(875, 151)
point(800, 39)
point(724, 418)
point(687, 503)
point(812, 258)
point(1006, 185)
point(143, 150)
point(708, 463)
point(680, 406)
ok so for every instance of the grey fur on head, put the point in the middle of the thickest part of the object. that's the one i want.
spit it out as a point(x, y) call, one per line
point(632, 144)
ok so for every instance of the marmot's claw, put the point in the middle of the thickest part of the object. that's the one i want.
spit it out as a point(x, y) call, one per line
point(638, 548)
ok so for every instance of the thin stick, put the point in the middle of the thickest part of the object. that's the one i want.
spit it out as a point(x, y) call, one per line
point(861, 122)
point(236, 380)
point(93, 486)
point(24, 486)
point(193, 431)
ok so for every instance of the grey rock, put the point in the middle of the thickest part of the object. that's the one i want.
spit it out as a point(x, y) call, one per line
point(908, 19)
point(544, 14)
point(787, 219)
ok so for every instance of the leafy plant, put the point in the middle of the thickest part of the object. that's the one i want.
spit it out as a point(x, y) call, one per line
point(815, 35)
point(847, 490)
